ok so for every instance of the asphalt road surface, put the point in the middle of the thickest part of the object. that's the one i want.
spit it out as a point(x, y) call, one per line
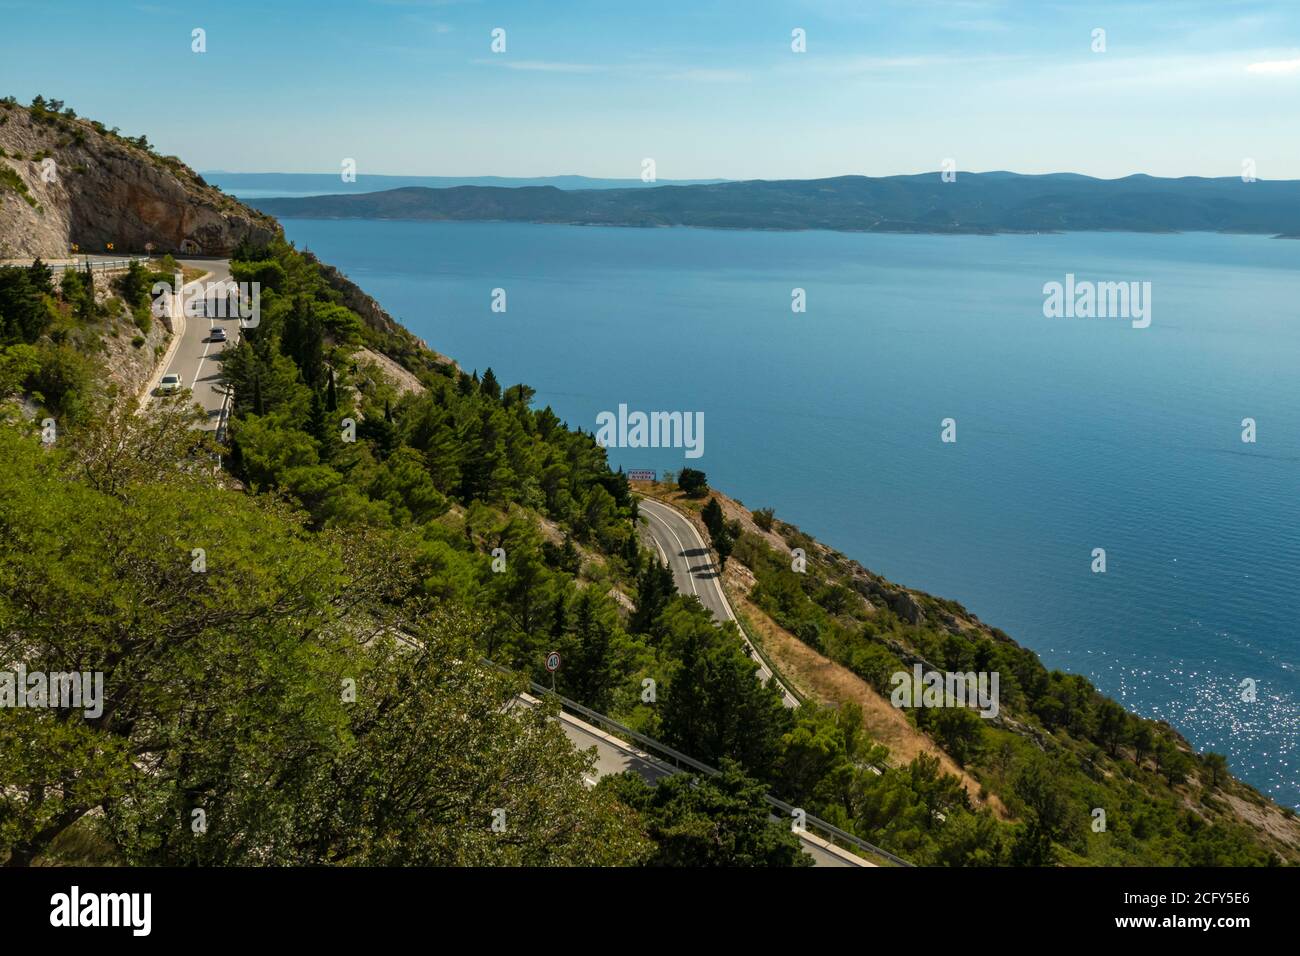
point(197, 359)
point(682, 548)
point(615, 756)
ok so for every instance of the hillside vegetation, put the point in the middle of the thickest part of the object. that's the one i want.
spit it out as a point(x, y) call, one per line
point(293, 646)
point(1057, 752)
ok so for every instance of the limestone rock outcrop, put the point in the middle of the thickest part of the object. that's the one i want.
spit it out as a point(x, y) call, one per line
point(67, 181)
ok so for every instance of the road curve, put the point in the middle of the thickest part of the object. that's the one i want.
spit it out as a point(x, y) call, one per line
point(196, 360)
point(678, 542)
point(615, 756)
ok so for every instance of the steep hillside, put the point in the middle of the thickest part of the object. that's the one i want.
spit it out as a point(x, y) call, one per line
point(390, 535)
point(838, 633)
point(68, 181)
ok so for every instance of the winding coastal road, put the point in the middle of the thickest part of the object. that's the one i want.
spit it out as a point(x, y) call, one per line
point(680, 546)
point(192, 356)
point(615, 756)
point(196, 360)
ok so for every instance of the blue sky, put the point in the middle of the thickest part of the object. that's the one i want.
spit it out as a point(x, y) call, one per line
point(706, 89)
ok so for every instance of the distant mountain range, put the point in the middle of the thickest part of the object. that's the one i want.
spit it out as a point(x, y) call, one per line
point(253, 185)
point(974, 203)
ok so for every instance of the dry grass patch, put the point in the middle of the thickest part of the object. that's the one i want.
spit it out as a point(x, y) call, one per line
point(822, 680)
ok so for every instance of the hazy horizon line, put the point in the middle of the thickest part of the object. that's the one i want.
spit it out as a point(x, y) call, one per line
point(722, 179)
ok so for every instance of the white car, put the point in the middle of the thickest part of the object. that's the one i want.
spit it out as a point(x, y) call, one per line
point(171, 382)
point(217, 334)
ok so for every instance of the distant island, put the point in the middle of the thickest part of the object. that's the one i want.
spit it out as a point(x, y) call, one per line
point(246, 185)
point(992, 202)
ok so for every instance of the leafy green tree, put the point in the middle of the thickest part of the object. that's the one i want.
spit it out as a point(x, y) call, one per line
point(1141, 738)
point(713, 518)
point(1112, 724)
point(134, 284)
point(318, 425)
point(721, 535)
point(41, 276)
point(484, 472)
point(692, 482)
point(591, 669)
point(655, 588)
point(403, 482)
point(267, 690)
point(1217, 765)
point(521, 593)
point(960, 731)
point(563, 558)
point(971, 839)
point(598, 509)
point(268, 451)
point(811, 752)
point(723, 543)
point(1047, 811)
point(23, 313)
point(18, 363)
point(714, 706)
point(1175, 765)
point(700, 821)
point(304, 341)
point(64, 381)
point(270, 275)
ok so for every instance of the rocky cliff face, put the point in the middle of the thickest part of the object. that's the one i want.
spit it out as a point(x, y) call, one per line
point(66, 181)
point(398, 344)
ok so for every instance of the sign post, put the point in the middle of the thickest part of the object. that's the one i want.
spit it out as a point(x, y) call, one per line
point(553, 665)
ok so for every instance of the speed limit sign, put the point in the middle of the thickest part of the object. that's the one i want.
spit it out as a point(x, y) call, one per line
point(553, 665)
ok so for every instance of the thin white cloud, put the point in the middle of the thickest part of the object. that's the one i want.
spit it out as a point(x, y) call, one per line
point(541, 66)
point(709, 76)
point(1274, 67)
point(852, 65)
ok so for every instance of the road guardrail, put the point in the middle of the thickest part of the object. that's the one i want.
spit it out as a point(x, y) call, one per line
point(827, 831)
point(97, 265)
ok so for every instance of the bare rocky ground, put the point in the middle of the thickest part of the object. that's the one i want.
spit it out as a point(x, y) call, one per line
point(127, 362)
point(400, 378)
point(91, 188)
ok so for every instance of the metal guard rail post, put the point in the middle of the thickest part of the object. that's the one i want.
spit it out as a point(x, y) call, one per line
point(828, 830)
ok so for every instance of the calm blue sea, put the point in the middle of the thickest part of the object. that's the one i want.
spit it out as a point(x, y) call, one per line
point(1072, 434)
